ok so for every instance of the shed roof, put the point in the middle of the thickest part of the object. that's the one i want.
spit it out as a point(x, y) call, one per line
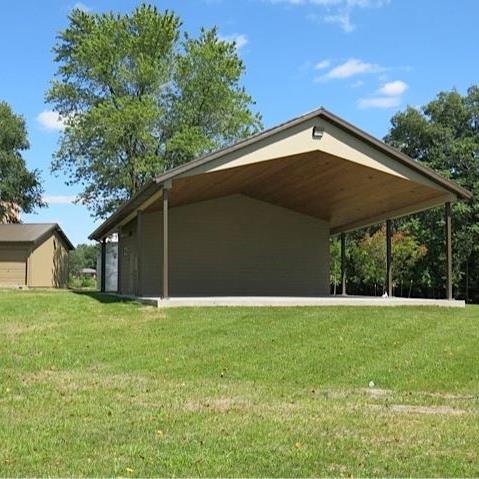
point(33, 233)
point(88, 270)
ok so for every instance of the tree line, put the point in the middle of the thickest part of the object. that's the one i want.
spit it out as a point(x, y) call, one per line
point(139, 95)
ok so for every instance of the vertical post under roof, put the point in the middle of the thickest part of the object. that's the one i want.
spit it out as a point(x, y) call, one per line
point(103, 266)
point(448, 225)
point(165, 242)
point(139, 255)
point(389, 270)
point(343, 264)
point(119, 262)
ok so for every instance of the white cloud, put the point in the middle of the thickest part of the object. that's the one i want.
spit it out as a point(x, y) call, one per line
point(59, 199)
point(350, 68)
point(322, 65)
point(50, 120)
point(239, 38)
point(81, 6)
point(335, 11)
point(394, 88)
point(379, 102)
point(343, 19)
point(291, 2)
point(366, 3)
point(305, 2)
point(388, 96)
point(333, 3)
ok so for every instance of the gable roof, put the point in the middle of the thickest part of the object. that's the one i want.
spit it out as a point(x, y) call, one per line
point(34, 233)
point(155, 185)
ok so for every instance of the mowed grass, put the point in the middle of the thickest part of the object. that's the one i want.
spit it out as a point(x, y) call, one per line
point(91, 386)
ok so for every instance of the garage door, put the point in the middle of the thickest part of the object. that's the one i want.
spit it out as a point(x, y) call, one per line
point(12, 266)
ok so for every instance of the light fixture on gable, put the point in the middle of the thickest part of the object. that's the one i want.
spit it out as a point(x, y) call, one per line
point(318, 132)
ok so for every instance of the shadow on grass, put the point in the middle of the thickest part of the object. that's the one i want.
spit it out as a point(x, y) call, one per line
point(106, 298)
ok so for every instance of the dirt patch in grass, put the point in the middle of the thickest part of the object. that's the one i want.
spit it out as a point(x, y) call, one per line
point(220, 405)
point(377, 393)
point(453, 397)
point(153, 310)
point(274, 409)
point(405, 408)
point(94, 380)
point(335, 394)
point(428, 410)
point(16, 329)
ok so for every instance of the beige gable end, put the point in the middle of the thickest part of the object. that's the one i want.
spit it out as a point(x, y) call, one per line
point(48, 264)
point(292, 141)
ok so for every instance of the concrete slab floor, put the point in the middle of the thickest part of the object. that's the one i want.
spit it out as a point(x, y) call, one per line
point(291, 301)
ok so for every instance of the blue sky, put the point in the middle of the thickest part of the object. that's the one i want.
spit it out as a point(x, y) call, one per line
point(361, 59)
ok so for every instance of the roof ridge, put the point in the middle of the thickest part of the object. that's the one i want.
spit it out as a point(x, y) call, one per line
point(28, 224)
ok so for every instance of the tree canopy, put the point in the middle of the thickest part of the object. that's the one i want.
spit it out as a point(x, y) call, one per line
point(139, 96)
point(444, 134)
point(19, 187)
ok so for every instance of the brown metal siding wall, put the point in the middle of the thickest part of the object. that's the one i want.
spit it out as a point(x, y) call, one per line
point(151, 254)
point(237, 246)
point(13, 261)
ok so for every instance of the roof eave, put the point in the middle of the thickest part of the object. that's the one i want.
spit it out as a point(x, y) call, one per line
point(64, 237)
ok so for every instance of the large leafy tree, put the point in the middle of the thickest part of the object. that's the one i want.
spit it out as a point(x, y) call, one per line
point(19, 187)
point(444, 134)
point(138, 96)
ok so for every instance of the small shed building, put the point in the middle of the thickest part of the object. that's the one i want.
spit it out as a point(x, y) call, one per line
point(34, 255)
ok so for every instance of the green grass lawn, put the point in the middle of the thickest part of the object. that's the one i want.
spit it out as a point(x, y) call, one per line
point(95, 387)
